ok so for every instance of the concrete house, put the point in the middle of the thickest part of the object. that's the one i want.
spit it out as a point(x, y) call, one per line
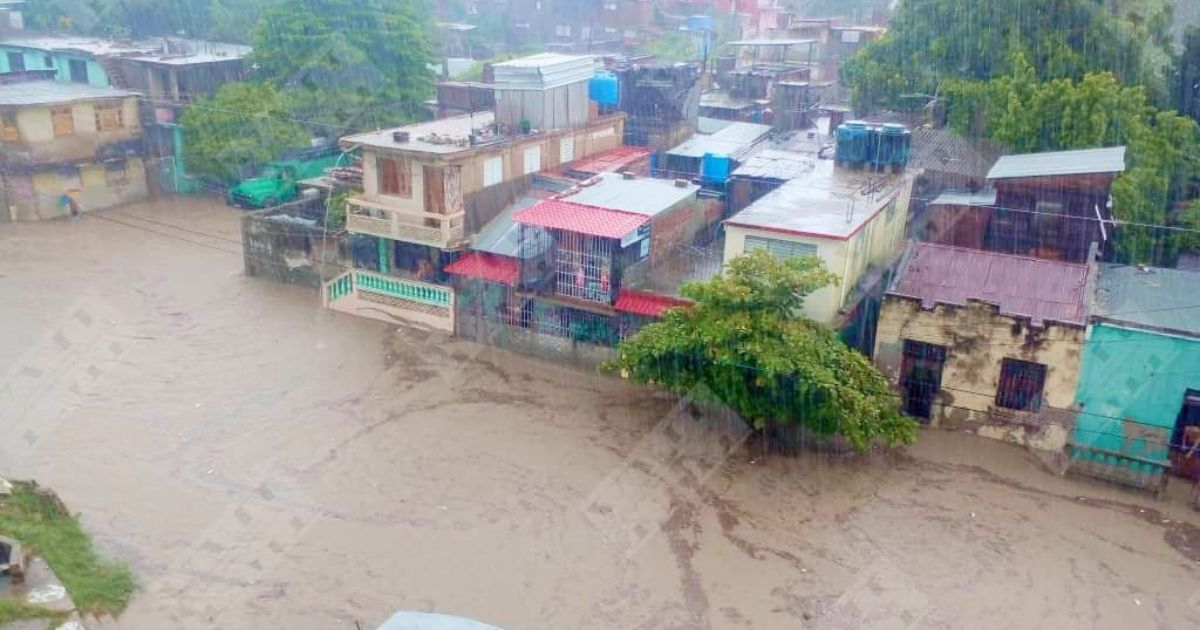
point(1139, 389)
point(852, 219)
point(986, 342)
point(61, 141)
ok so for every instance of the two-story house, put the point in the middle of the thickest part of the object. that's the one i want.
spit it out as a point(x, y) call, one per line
point(64, 144)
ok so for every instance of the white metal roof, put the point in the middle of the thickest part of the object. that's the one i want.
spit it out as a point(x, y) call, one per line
point(959, 198)
point(27, 93)
point(640, 195)
point(543, 71)
point(1051, 163)
point(732, 141)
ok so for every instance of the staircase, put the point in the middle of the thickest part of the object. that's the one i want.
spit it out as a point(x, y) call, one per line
point(116, 76)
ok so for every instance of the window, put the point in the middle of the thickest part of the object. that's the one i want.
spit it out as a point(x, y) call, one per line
point(109, 117)
point(78, 70)
point(779, 248)
point(566, 150)
point(9, 131)
point(533, 159)
point(1021, 384)
point(48, 61)
point(493, 171)
point(395, 177)
point(16, 62)
point(62, 121)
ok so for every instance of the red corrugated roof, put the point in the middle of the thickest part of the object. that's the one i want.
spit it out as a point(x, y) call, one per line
point(576, 217)
point(1042, 290)
point(610, 161)
point(488, 267)
point(648, 304)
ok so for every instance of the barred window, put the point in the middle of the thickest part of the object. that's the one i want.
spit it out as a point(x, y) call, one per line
point(1021, 385)
point(780, 249)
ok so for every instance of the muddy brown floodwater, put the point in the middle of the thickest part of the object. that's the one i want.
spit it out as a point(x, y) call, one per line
point(264, 463)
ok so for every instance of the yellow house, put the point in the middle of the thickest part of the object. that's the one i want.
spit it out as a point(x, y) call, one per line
point(853, 220)
point(66, 140)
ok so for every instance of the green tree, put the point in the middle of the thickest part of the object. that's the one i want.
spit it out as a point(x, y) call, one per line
point(746, 344)
point(243, 125)
point(931, 41)
point(1187, 88)
point(348, 64)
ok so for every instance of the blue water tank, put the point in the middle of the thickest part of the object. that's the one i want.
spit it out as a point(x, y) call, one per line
point(715, 169)
point(892, 147)
point(604, 88)
point(699, 23)
point(853, 144)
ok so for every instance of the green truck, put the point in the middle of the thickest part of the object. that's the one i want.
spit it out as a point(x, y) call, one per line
point(276, 182)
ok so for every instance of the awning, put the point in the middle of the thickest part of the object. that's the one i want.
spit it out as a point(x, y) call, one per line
point(486, 267)
point(575, 217)
point(647, 304)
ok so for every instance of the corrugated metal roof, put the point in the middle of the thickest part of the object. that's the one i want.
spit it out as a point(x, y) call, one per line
point(647, 304)
point(543, 71)
point(1162, 299)
point(502, 235)
point(1020, 286)
point(943, 151)
point(733, 141)
point(640, 195)
point(958, 198)
point(490, 267)
point(575, 217)
point(1048, 164)
point(610, 161)
point(707, 125)
point(776, 164)
point(51, 92)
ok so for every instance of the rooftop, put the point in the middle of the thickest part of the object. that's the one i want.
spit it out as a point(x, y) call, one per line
point(733, 140)
point(775, 164)
point(1049, 164)
point(609, 161)
point(54, 92)
point(1162, 299)
point(773, 42)
point(943, 151)
point(543, 71)
point(1020, 286)
point(484, 266)
point(722, 100)
point(826, 202)
point(502, 235)
point(575, 217)
point(169, 51)
point(442, 136)
point(640, 195)
point(956, 198)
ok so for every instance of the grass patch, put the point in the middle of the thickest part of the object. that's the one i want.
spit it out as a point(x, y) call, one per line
point(43, 526)
point(12, 610)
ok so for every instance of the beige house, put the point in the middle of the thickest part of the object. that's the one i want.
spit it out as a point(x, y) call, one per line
point(986, 342)
point(852, 219)
point(63, 140)
point(428, 183)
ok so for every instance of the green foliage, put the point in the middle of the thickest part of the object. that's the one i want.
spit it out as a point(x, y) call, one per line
point(745, 344)
point(13, 610)
point(1061, 114)
point(1189, 219)
point(932, 41)
point(244, 125)
point(673, 47)
point(1187, 87)
point(96, 585)
point(335, 211)
point(348, 64)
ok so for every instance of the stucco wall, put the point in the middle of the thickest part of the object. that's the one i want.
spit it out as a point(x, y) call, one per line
point(37, 196)
point(820, 306)
point(36, 60)
point(1133, 381)
point(38, 144)
point(977, 339)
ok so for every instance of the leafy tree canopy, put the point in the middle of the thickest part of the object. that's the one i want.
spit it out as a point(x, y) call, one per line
point(929, 41)
point(350, 64)
point(243, 125)
point(745, 343)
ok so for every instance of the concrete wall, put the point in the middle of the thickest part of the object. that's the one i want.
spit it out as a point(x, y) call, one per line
point(977, 339)
point(1133, 382)
point(38, 144)
point(36, 60)
point(278, 247)
point(821, 305)
point(38, 195)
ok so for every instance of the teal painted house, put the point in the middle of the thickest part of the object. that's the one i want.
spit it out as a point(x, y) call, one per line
point(1139, 387)
point(75, 60)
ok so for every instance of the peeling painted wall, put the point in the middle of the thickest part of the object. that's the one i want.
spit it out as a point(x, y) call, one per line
point(977, 339)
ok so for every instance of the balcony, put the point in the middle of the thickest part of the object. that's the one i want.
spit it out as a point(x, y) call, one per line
point(391, 299)
point(444, 231)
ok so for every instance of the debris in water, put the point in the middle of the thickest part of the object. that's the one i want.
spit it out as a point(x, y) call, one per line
point(1137, 601)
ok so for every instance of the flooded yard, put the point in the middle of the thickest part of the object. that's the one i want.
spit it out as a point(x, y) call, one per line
point(264, 463)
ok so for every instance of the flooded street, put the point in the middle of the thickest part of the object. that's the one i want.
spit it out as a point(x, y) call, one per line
point(264, 463)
